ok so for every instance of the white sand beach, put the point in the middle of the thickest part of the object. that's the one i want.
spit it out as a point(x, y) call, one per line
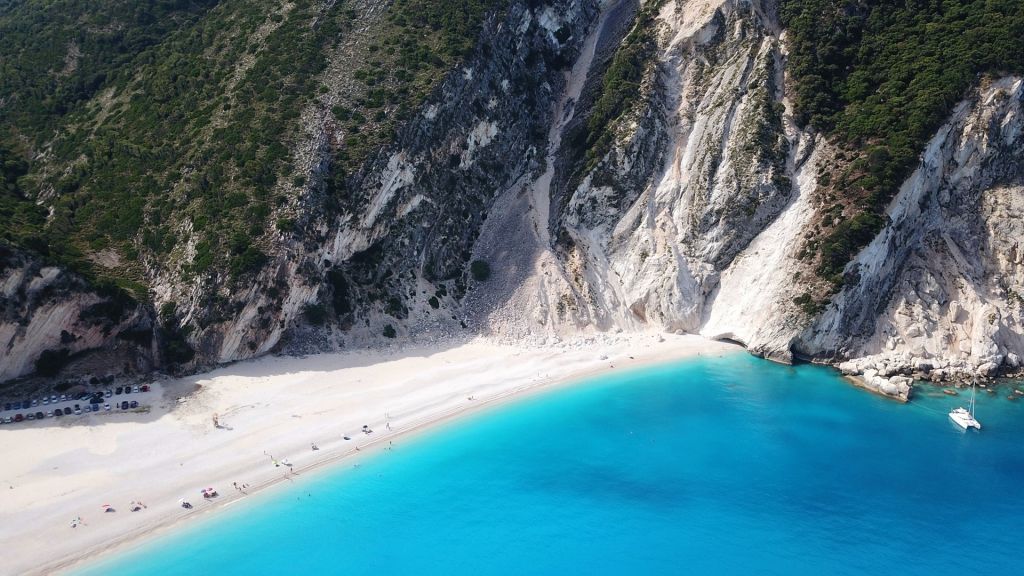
point(269, 409)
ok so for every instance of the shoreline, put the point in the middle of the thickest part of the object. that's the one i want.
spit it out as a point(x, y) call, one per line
point(296, 401)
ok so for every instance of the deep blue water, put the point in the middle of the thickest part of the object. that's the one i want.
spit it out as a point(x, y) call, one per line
point(728, 465)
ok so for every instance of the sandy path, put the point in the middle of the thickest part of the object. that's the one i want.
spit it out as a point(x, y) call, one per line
point(272, 408)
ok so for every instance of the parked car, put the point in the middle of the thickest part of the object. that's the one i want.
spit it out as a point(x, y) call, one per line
point(53, 398)
point(78, 411)
point(8, 420)
point(119, 390)
point(63, 397)
point(30, 416)
point(145, 387)
point(46, 401)
point(135, 389)
point(134, 404)
point(58, 413)
point(127, 389)
point(18, 417)
point(108, 393)
point(106, 407)
point(67, 411)
point(35, 402)
point(124, 405)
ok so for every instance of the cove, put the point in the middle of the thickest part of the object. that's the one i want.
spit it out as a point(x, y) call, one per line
point(725, 465)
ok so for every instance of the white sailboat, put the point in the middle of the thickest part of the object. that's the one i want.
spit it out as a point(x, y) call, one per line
point(963, 417)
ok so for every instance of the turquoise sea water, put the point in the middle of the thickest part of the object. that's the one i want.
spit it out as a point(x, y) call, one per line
point(728, 465)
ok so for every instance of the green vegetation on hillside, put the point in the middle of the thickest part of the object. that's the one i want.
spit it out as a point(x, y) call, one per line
point(200, 134)
point(880, 77)
point(415, 45)
point(21, 218)
point(57, 54)
point(171, 114)
point(167, 121)
point(620, 87)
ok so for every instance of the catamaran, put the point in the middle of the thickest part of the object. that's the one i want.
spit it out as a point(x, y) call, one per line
point(963, 417)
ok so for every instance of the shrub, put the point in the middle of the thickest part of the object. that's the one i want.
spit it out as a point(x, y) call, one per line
point(50, 362)
point(175, 349)
point(316, 314)
point(389, 331)
point(480, 270)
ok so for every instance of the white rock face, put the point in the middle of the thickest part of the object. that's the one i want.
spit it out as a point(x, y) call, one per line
point(941, 286)
point(44, 309)
point(707, 240)
point(716, 210)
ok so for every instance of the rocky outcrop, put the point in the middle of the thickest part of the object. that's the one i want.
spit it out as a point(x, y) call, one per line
point(695, 218)
point(700, 168)
point(938, 292)
point(50, 318)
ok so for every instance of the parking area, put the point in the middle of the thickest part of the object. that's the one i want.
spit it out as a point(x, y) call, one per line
point(112, 399)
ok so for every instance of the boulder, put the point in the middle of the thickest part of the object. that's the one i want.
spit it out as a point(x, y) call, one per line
point(901, 387)
point(923, 365)
point(849, 368)
point(987, 369)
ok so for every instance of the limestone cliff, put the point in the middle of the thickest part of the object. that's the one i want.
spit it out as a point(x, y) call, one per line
point(696, 218)
point(51, 319)
point(938, 292)
point(687, 210)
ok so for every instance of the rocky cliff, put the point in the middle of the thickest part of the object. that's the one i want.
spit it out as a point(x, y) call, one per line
point(596, 166)
point(696, 218)
point(938, 291)
point(52, 320)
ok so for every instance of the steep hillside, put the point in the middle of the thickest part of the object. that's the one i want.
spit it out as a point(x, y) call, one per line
point(238, 177)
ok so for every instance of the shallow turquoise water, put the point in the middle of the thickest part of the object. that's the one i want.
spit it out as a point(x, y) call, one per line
point(728, 465)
